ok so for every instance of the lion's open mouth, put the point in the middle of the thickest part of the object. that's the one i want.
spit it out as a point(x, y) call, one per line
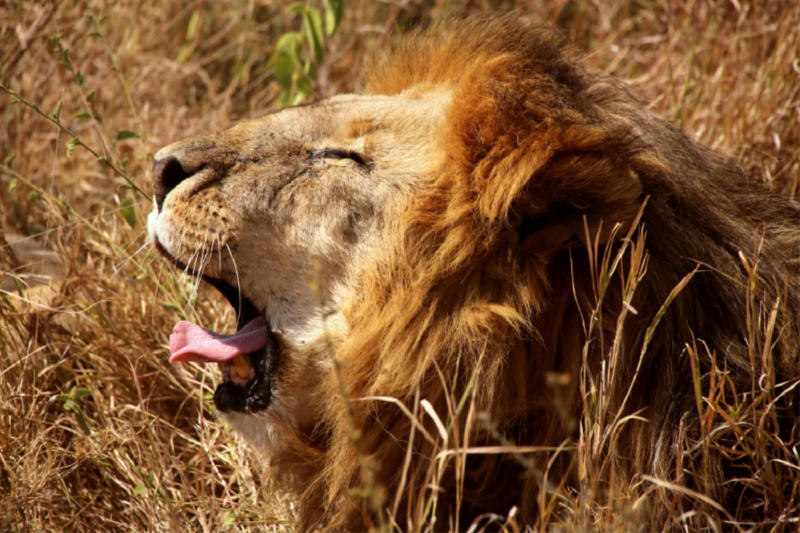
point(246, 358)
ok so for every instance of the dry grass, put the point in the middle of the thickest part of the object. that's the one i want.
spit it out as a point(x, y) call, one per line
point(97, 431)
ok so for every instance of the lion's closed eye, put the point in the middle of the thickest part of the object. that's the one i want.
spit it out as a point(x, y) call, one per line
point(338, 154)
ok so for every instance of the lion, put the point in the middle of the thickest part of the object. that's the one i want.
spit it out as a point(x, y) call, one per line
point(422, 262)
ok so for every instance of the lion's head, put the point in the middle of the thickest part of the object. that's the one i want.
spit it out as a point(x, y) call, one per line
point(428, 240)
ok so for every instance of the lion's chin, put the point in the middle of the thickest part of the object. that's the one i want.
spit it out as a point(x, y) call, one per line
point(259, 430)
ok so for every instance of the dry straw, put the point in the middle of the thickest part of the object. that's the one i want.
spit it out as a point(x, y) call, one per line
point(99, 433)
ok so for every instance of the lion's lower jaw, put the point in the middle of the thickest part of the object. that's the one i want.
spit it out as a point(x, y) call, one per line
point(257, 430)
point(266, 430)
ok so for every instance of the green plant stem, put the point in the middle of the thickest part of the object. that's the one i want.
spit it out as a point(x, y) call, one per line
point(101, 128)
point(77, 140)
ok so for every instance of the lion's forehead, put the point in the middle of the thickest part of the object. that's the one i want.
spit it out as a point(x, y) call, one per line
point(395, 120)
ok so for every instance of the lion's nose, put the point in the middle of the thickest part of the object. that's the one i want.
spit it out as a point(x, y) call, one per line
point(167, 174)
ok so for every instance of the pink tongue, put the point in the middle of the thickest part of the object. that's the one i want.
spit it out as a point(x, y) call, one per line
point(193, 343)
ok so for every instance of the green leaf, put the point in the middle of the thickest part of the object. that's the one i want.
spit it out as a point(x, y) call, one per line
point(124, 187)
point(94, 34)
point(313, 27)
point(230, 518)
point(286, 98)
point(56, 114)
point(184, 54)
point(91, 96)
point(10, 159)
point(63, 64)
point(69, 405)
point(304, 86)
point(13, 184)
point(71, 144)
point(83, 113)
point(62, 397)
point(334, 9)
point(79, 393)
point(289, 45)
point(139, 490)
point(126, 134)
point(79, 77)
point(297, 8)
point(82, 422)
point(124, 164)
point(33, 196)
point(286, 56)
point(191, 30)
point(19, 285)
point(55, 40)
point(283, 70)
point(102, 159)
point(310, 70)
point(128, 213)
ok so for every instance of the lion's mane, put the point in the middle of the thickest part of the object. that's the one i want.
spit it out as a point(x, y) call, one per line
point(488, 289)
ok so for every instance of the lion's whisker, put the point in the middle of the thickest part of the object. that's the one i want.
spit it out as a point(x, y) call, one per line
point(219, 255)
point(238, 285)
point(197, 275)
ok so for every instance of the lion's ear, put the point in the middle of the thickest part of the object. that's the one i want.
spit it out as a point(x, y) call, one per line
point(581, 192)
point(565, 226)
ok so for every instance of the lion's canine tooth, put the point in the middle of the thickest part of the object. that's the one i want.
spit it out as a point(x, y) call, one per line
point(242, 366)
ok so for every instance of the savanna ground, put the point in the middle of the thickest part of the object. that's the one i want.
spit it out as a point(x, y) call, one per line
point(97, 431)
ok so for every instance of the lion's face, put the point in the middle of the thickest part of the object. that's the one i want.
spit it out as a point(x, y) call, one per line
point(278, 213)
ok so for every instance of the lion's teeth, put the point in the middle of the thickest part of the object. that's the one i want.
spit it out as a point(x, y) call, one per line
point(225, 368)
point(242, 366)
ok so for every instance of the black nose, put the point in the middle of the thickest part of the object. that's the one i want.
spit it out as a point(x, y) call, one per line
point(167, 174)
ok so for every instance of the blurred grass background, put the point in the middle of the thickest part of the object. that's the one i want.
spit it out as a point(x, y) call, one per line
point(97, 431)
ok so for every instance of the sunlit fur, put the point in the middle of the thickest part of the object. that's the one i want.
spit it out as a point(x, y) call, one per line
point(453, 287)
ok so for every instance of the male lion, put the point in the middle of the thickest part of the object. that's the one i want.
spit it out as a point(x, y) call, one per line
point(434, 249)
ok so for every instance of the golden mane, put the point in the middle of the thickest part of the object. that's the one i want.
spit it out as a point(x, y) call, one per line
point(489, 295)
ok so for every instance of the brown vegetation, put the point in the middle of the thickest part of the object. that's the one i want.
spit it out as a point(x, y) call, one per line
point(98, 433)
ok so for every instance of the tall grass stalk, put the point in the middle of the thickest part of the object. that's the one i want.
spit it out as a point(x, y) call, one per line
point(99, 433)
